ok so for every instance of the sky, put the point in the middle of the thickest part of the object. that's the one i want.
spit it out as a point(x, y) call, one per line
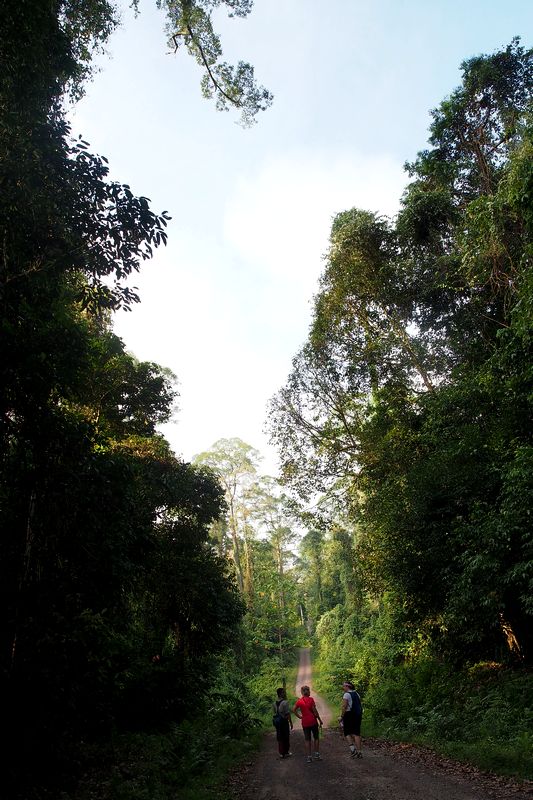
point(228, 303)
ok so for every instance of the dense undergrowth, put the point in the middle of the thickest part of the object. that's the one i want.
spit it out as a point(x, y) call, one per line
point(480, 713)
point(190, 759)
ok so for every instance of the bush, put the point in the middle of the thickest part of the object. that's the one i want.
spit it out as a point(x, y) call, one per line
point(482, 713)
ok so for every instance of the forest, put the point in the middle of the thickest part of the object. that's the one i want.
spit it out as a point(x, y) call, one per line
point(141, 591)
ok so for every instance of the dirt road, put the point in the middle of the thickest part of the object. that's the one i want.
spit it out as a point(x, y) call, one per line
point(387, 771)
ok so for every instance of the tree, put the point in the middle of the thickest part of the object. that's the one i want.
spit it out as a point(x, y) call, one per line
point(189, 23)
point(93, 503)
point(270, 510)
point(235, 465)
point(311, 567)
point(410, 401)
point(66, 34)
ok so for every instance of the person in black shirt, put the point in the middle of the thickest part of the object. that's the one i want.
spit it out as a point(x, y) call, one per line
point(284, 727)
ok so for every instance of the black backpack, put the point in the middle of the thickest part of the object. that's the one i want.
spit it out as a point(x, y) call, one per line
point(356, 703)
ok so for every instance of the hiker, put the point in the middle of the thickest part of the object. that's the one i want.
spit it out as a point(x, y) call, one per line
point(306, 710)
point(284, 725)
point(351, 714)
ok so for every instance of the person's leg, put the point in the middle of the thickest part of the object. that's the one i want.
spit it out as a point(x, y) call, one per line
point(283, 736)
point(317, 742)
point(357, 737)
point(309, 744)
point(288, 742)
point(349, 723)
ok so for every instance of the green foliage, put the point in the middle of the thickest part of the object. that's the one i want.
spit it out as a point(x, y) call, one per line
point(114, 601)
point(481, 714)
point(190, 757)
point(410, 404)
point(66, 35)
point(270, 675)
point(256, 534)
point(474, 130)
point(190, 24)
point(272, 620)
point(409, 409)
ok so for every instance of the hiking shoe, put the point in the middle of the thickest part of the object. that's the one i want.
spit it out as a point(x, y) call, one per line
point(309, 760)
point(359, 754)
point(318, 757)
point(353, 753)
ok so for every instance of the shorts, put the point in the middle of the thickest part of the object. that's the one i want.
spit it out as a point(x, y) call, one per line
point(351, 723)
point(313, 729)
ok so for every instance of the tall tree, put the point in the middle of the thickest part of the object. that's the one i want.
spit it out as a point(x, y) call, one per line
point(410, 402)
point(311, 565)
point(235, 464)
point(93, 502)
point(271, 513)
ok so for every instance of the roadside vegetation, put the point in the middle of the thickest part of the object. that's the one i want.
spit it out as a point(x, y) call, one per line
point(405, 425)
point(480, 714)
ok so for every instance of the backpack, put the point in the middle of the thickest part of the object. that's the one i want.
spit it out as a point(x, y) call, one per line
point(277, 718)
point(356, 703)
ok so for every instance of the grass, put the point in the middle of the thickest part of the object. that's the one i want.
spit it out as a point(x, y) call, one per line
point(509, 758)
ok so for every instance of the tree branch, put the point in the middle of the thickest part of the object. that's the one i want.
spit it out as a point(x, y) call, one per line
point(208, 68)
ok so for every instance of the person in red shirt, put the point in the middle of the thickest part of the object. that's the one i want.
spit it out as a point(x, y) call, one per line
point(306, 710)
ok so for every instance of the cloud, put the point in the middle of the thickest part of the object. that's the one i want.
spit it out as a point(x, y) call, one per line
point(228, 311)
point(279, 218)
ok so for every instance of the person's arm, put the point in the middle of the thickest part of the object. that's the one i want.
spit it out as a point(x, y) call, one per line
point(317, 715)
point(344, 707)
point(296, 710)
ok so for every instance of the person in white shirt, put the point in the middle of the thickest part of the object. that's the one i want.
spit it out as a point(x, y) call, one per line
point(351, 715)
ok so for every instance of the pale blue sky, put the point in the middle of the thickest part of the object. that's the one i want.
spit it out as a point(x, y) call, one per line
point(227, 304)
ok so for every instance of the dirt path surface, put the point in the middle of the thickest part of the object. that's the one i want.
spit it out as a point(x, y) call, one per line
point(387, 771)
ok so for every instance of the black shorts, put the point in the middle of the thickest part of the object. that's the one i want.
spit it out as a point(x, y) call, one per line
point(311, 730)
point(351, 722)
